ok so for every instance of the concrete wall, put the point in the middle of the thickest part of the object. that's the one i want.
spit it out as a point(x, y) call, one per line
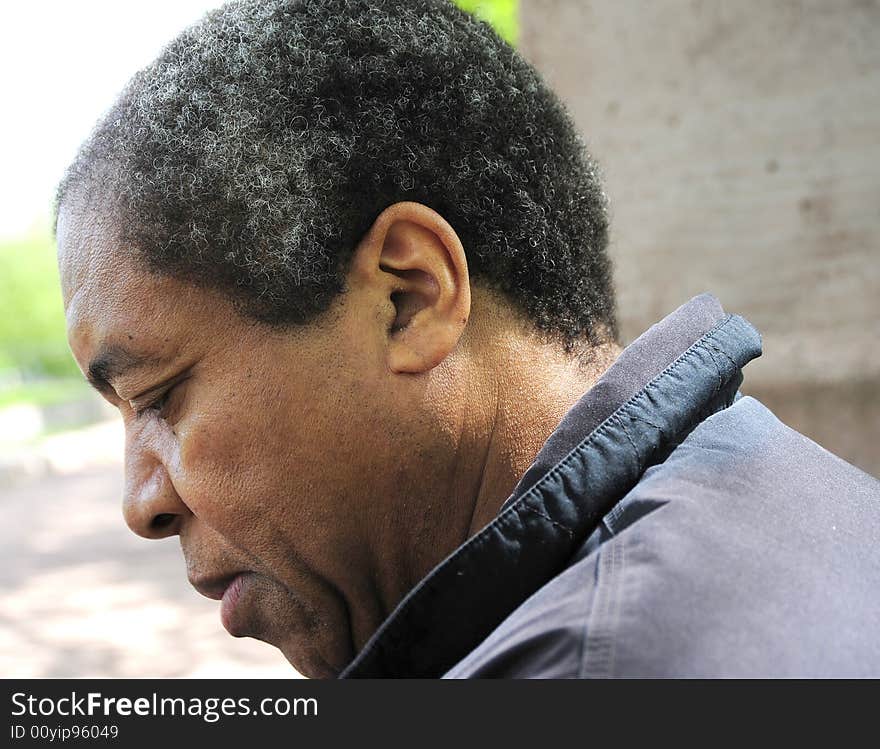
point(741, 145)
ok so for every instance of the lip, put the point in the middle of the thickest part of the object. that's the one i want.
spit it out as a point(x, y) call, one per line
point(228, 589)
point(214, 587)
point(230, 599)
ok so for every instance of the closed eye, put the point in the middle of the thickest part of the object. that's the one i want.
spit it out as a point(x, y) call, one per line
point(159, 404)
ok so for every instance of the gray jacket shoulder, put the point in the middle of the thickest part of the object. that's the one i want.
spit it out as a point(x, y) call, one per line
point(750, 551)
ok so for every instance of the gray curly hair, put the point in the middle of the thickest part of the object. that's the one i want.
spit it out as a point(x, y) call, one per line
point(258, 148)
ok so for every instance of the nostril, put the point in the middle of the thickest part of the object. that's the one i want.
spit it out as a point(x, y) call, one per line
point(162, 520)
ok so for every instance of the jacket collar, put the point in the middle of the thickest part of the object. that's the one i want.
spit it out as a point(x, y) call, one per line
point(677, 373)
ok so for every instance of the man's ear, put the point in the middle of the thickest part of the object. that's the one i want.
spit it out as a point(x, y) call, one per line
point(413, 259)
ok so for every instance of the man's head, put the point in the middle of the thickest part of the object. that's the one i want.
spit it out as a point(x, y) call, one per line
point(295, 254)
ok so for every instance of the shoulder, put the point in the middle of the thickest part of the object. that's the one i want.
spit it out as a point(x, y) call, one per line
point(750, 445)
point(749, 551)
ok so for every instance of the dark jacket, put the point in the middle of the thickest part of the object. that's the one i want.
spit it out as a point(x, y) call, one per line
point(669, 527)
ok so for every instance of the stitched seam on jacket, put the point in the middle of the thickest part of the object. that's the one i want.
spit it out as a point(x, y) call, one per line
point(724, 354)
point(618, 414)
point(600, 646)
point(613, 418)
point(633, 417)
point(546, 517)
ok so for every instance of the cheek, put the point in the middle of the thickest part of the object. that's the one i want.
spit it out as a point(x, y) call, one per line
point(274, 465)
point(218, 471)
point(250, 466)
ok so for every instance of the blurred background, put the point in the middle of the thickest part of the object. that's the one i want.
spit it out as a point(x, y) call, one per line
point(741, 147)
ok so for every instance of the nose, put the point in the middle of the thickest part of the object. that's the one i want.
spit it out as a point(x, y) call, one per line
point(151, 506)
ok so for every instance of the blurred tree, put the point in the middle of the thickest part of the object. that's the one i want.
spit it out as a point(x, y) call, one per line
point(32, 332)
point(502, 14)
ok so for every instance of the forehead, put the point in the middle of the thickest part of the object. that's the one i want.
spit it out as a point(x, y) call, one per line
point(84, 244)
point(110, 298)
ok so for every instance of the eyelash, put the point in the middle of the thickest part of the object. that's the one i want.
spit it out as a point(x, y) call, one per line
point(157, 405)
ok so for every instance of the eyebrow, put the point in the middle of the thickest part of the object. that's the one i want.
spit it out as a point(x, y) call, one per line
point(111, 363)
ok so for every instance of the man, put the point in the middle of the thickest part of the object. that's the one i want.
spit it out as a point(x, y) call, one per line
point(342, 267)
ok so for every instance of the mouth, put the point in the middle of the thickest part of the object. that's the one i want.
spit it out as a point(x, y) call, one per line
point(231, 597)
point(253, 604)
point(228, 590)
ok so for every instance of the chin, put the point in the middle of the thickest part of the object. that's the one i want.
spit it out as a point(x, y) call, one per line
point(309, 663)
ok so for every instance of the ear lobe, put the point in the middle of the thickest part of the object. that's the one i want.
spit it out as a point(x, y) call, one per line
point(421, 269)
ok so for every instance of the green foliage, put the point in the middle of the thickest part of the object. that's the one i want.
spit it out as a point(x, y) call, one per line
point(33, 339)
point(45, 392)
point(502, 14)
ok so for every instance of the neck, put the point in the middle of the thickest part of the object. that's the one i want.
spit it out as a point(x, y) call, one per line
point(495, 404)
point(531, 401)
